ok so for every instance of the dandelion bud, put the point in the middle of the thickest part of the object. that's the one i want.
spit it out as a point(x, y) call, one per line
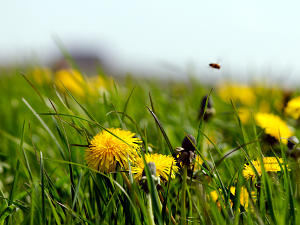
point(209, 111)
point(189, 143)
point(292, 142)
point(187, 158)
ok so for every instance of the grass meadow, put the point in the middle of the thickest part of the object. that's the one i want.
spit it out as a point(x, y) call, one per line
point(99, 150)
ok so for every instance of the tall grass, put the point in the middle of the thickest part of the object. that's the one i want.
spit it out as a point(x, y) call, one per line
point(44, 178)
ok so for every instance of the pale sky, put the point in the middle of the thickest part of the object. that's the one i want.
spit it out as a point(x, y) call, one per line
point(245, 37)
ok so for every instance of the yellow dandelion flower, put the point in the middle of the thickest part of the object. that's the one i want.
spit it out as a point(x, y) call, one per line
point(72, 80)
point(293, 108)
point(273, 126)
point(107, 151)
point(41, 75)
point(236, 92)
point(244, 114)
point(96, 85)
point(270, 164)
point(198, 163)
point(163, 165)
point(244, 197)
point(214, 195)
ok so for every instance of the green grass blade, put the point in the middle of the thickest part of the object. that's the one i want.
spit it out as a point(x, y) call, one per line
point(162, 130)
point(46, 128)
point(42, 188)
point(53, 209)
point(126, 104)
point(24, 153)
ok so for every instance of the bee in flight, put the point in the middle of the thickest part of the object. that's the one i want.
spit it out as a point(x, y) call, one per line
point(215, 66)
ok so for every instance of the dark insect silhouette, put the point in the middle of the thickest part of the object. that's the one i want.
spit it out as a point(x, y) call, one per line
point(215, 66)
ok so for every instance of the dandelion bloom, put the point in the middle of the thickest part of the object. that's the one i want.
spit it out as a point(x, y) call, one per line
point(41, 75)
point(244, 114)
point(96, 85)
point(214, 195)
point(270, 164)
point(106, 151)
point(244, 197)
point(274, 126)
point(72, 80)
point(198, 163)
point(163, 165)
point(293, 108)
point(237, 92)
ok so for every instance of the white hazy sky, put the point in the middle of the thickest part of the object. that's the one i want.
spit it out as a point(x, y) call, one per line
point(245, 36)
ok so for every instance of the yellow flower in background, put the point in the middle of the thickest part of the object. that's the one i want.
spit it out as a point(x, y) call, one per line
point(244, 114)
point(264, 106)
point(163, 165)
point(244, 197)
point(293, 108)
point(270, 164)
point(237, 92)
point(96, 84)
point(274, 126)
point(198, 163)
point(72, 80)
point(41, 75)
point(107, 151)
point(214, 195)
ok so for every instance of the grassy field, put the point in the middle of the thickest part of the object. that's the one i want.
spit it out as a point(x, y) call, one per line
point(224, 159)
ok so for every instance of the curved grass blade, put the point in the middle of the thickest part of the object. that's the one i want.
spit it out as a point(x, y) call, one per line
point(126, 104)
point(46, 127)
point(56, 217)
point(24, 153)
point(162, 130)
point(14, 184)
point(77, 190)
point(42, 188)
point(89, 121)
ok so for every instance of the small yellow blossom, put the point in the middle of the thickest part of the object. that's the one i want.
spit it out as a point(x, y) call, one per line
point(41, 75)
point(163, 165)
point(244, 197)
point(214, 195)
point(198, 163)
point(72, 80)
point(96, 84)
point(293, 108)
point(244, 114)
point(273, 126)
point(270, 164)
point(237, 92)
point(107, 151)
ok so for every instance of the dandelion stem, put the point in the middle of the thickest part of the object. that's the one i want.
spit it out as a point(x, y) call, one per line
point(150, 210)
point(183, 196)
